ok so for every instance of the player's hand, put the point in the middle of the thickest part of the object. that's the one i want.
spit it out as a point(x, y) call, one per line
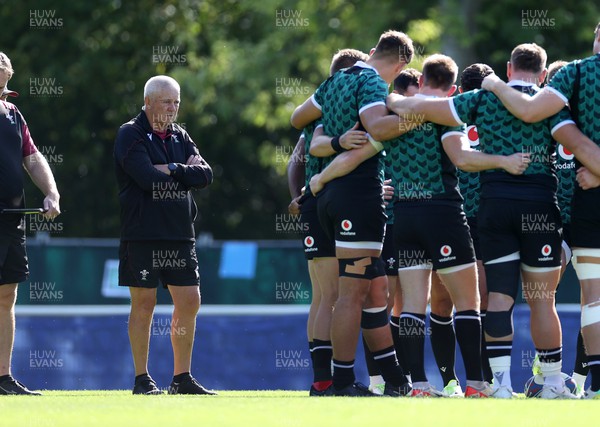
point(353, 138)
point(388, 190)
point(52, 206)
point(490, 82)
point(586, 179)
point(294, 206)
point(194, 159)
point(163, 168)
point(315, 184)
point(517, 163)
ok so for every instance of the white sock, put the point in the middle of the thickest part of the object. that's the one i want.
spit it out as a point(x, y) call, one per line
point(501, 370)
point(552, 374)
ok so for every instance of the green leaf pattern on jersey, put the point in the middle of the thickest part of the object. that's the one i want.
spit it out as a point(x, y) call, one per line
point(503, 134)
point(589, 104)
point(344, 94)
point(416, 159)
point(312, 166)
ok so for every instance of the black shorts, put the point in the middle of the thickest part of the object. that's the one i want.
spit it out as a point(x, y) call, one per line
point(437, 235)
point(315, 241)
point(389, 254)
point(531, 228)
point(585, 218)
point(144, 263)
point(473, 230)
point(353, 216)
point(14, 267)
point(567, 234)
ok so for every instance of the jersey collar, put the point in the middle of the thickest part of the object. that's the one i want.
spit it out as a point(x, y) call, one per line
point(362, 64)
point(522, 83)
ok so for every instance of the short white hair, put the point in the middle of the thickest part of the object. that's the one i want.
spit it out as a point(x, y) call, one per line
point(157, 83)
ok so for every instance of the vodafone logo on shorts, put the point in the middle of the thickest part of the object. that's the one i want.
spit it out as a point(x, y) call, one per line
point(309, 241)
point(446, 252)
point(564, 153)
point(473, 136)
point(347, 226)
point(546, 250)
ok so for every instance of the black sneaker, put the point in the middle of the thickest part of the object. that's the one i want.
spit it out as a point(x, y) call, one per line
point(12, 386)
point(354, 390)
point(146, 385)
point(327, 392)
point(401, 391)
point(189, 385)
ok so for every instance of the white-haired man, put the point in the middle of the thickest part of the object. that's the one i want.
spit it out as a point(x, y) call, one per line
point(157, 165)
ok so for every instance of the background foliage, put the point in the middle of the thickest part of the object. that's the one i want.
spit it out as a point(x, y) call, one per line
point(231, 55)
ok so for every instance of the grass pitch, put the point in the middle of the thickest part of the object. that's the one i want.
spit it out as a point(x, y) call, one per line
point(281, 408)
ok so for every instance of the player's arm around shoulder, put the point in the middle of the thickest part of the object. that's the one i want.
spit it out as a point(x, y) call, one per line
point(344, 163)
point(456, 146)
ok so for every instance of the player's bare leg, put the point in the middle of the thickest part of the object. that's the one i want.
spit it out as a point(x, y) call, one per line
point(143, 301)
point(8, 385)
point(326, 273)
point(186, 302)
point(539, 289)
point(8, 297)
point(314, 303)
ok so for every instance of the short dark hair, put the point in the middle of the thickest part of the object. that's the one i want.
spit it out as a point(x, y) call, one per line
point(346, 58)
point(554, 68)
point(394, 45)
point(439, 72)
point(473, 75)
point(528, 57)
point(408, 77)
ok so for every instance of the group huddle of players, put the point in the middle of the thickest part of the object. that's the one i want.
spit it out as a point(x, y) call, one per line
point(419, 197)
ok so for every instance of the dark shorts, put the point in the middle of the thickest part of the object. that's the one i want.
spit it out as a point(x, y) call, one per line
point(389, 254)
point(144, 263)
point(14, 267)
point(474, 231)
point(567, 234)
point(585, 219)
point(529, 227)
point(432, 234)
point(314, 240)
point(353, 217)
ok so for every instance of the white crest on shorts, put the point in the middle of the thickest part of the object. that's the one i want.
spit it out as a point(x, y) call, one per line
point(144, 274)
point(446, 250)
point(546, 250)
point(309, 241)
point(346, 225)
point(149, 136)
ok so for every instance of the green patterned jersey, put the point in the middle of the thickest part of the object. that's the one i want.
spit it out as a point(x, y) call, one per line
point(588, 107)
point(421, 169)
point(341, 99)
point(503, 134)
point(566, 171)
point(468, 182)
point(312, 164)
point(387, 171)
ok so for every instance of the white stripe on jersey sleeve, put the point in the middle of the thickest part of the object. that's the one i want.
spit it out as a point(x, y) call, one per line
point(561, 124)
point(454, 113)
point(315, 103)
point(372, 104)
point(557, 93)
point(453, 132)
